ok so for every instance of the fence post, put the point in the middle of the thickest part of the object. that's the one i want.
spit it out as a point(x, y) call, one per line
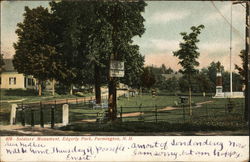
point(156, 114)
point(32, 122)
point(121, 114)
point(65, 114)
point(23, 116)
point(52, 116)
point(41, 115)
point(13, 114)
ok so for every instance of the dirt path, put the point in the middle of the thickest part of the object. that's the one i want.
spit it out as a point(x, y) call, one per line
point(199, 104)
point(132, 114)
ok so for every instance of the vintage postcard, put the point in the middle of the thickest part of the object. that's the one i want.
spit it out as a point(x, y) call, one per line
point(124, 80)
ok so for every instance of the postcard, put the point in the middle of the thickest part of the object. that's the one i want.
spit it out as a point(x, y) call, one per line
point(124, 81)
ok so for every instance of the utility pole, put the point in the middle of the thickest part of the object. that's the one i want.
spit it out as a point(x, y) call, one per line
point(231, 73)
point(247, 47)
point(247, 97)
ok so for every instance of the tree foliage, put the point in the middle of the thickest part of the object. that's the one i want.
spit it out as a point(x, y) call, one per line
point(242, 70)
point(188, 53)
point(35, 51)
point(93, 31)
point(147, 78)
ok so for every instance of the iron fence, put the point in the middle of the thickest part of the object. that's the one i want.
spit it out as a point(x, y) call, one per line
point(86, 110)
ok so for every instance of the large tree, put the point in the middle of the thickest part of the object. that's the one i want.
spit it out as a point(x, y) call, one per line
point(85, 42)
point(188, 55)
point(96, 32)
point(35, 52)
point(126, 21)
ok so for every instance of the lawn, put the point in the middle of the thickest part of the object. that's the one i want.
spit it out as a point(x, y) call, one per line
point(19, 96)
point(145, 108)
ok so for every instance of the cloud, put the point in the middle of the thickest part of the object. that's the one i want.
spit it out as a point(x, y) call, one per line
point(167, 16)
point(220, 46)
point(225, 10)
point(210, 51)
point(7, 49)
point(205, 59)
point(162, 44)
point(157, 59)
point(159, 45)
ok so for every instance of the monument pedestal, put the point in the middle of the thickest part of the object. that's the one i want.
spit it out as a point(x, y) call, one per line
point(219, 93)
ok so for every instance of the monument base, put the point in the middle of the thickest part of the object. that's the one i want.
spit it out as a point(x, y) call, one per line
point(228, 95)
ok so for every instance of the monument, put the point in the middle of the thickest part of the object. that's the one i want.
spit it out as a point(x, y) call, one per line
point(219, 90)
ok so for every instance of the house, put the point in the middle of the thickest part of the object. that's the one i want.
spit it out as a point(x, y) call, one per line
point(11, 79)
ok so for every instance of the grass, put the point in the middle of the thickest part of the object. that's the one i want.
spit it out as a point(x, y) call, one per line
point(27, 97)
point(210, 116)
point(31, 95)
point(153, 127)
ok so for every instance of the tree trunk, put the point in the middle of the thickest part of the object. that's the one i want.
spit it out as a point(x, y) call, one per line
point(190, 102)
point(53, 87)
point(39, 88)
point(71, 90)
point(190, 94)
point(97, 85)
point(112, 110)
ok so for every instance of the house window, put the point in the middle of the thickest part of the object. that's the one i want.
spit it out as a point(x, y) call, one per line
point(12, 80)
point(30, 82)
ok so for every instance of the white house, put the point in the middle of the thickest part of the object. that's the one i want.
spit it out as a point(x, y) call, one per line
point(11, 79)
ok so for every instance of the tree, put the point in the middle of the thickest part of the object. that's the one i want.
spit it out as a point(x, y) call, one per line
point(85, 42)
point(147, 78)
point(242, 70)
point(1, 63)
point(101, 31)
point(188, 54)
point(169, 70)
point(134, 62)
point(172, 84)
point(35, 52)
point(126, 21)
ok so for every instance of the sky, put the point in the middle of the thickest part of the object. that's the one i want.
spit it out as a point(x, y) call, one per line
point(164, 21)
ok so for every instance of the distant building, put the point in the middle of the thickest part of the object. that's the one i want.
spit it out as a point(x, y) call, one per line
point(173, 75)
point(11, 79)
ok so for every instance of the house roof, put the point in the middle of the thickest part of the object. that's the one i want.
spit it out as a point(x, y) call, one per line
point(8, 65)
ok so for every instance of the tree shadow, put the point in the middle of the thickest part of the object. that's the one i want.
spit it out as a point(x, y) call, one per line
point(20, 92)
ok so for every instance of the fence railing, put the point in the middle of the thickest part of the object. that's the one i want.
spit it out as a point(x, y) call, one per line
point(87, 111)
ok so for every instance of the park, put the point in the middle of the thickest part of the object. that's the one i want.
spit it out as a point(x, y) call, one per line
point(80, 67)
